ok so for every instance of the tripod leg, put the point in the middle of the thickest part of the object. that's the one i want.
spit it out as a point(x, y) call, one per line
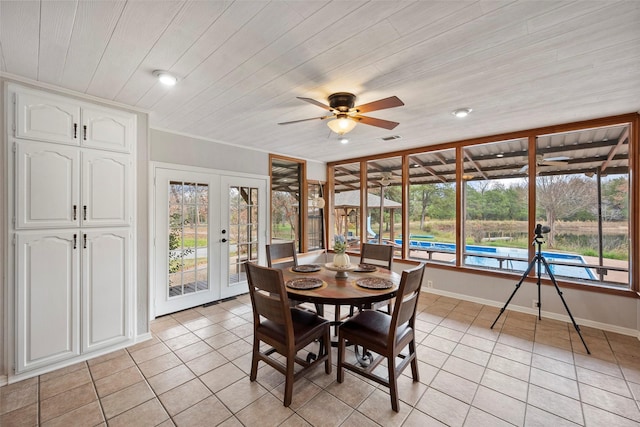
point(566, 307)
point(524, 276)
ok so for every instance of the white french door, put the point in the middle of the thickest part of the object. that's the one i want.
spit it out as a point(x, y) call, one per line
point(207, 225)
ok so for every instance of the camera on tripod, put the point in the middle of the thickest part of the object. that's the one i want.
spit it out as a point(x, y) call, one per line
point(539, 231)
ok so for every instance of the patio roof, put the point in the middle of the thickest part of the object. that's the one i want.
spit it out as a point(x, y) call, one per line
point(351, 199)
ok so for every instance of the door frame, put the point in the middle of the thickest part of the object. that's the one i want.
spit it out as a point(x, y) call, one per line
point(153, 218)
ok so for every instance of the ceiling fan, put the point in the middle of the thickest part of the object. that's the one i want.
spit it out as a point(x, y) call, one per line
point(344, 116)
point(545, 162)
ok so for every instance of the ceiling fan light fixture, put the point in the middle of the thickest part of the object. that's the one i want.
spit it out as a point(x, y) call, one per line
point(462, 112)
point(165, 77)
point(344, 140)
point(342, 124)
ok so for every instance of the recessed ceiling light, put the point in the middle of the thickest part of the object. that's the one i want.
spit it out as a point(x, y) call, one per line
point(500, 155)
point(461, 112)
point(344, 140)
point(165, 77)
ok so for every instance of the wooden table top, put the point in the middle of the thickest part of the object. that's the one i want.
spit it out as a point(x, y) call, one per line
point(340, 291)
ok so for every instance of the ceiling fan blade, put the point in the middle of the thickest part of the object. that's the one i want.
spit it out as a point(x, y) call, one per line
point(386, 124)
point(381, 104)
point(305, 120)
point(314, 102)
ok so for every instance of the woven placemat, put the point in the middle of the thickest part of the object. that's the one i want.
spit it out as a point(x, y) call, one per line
point(366, 268)
point(304, 283)
point(374, 283)
point(306, 268)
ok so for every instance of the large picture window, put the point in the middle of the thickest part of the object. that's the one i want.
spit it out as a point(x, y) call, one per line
point(475, 204)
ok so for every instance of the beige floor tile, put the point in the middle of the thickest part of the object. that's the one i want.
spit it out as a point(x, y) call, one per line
point(509, 367)
point(499, 405)
point(159, 364)
point(442, 407)
point(439, 343)
point(182, 341)
point(536, 417)
point(358, 419)
point(62, 371)
point(87, 415)
point(118, 381)
point(106, 357)
point(555, 403)
point(236, 349)
point(171, 378)
point(431, 356)
point(242, 393)
point(182, 397)
point(16, 397)
point(210, 331)
point(611, 402)
point(418, 419)
point(67, 401)
point(207, 362)
point(553, 382)
point(193, 351)
point(208, 412)
point(221, 377)
point(352, 391)
point(606, 382)
point(125, 399)
point(447, 333)
point(479, 418)
point(567, 370)
point(295, 420)
point(303, 391)
point(464, 369)
point(315, 411)
point(64, 382)
point(597, 417)
point(143, 344)
point(222, 339)
point(172, 332)
point(25, 416)
point(471, 354)
point(197, 323)
point(111, 366)
point(505, 384)
point(455, 386)
point(150, 413)
point(150, 352)
point(513, 353)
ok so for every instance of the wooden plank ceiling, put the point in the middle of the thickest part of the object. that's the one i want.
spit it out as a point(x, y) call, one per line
point(241, 64)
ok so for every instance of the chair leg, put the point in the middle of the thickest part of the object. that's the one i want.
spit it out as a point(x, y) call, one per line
point(288, 379)
point(393, 384)
point(327, 348)
point(414, 363)
point(254, 359)
point(319, 310)
point(341, 351)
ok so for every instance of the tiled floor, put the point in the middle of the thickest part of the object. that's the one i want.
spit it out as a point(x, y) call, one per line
point(195, 373)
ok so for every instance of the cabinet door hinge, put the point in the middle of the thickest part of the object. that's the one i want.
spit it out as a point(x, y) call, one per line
point(15, 145)
point(13, 240)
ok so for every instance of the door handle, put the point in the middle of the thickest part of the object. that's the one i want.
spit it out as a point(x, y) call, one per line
point(75, 212)
point(224, 240)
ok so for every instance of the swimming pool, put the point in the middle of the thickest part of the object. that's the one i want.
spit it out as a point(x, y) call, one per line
point(517, 259)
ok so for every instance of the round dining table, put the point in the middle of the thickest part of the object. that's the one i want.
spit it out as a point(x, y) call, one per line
point(343, 291)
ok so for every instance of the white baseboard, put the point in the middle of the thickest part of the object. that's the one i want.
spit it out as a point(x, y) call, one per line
point(549, 315)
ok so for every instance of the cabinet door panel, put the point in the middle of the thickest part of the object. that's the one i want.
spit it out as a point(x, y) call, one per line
point(108, 129)
point(47, 118)
point(105, 188)
point(105, 288)
point(47, 185)
point(47, 314)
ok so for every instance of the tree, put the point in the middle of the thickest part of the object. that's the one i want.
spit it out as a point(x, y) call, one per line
point(560, 196)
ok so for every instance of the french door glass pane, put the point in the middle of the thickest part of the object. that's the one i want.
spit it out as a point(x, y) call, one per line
point(188, 238)
point(243, 230)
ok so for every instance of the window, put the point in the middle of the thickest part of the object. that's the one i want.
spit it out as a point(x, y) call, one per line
point(432, 206)
point(476, 203)
point(315, 217)
point(495, 185)
point(287, 182)
point(582, 195)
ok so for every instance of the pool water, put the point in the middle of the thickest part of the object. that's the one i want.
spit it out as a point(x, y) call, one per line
point(475, 257)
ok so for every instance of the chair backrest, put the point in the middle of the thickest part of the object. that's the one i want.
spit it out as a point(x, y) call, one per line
point(406, 304)
point(269, 296)
point(282, 251)
point(376, 253)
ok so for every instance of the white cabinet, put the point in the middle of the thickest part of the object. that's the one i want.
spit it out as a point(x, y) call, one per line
point(105, 287)
point(47, 118)
point(47, 185)
point(71, 191)
point(52, 118)
point(48, 182)
point(107, 129)
point(105, 189)
point(47, 314)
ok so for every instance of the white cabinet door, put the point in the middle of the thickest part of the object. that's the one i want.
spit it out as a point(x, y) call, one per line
point(47, 183)
point(108, 129)
point(105, 188)
point(47, 118)
point(105, 288)
point(47, 306)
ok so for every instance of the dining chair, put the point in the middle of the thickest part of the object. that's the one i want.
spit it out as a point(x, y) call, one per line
point(284, 255)
point(286, 330)
point(385, 335)
point(382, 256)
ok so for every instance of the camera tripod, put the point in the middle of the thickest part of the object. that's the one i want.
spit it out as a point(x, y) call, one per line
point(539, 260)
